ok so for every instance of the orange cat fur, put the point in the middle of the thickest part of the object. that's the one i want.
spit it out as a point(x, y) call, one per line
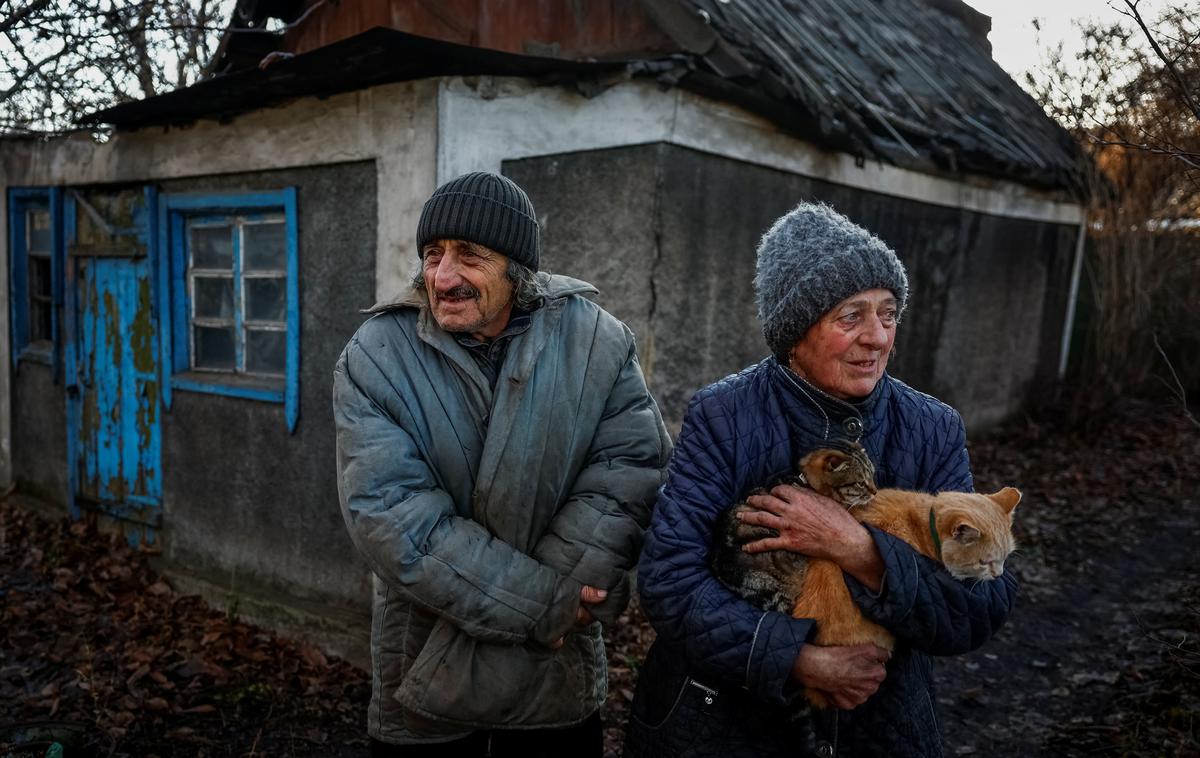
point(975, 532)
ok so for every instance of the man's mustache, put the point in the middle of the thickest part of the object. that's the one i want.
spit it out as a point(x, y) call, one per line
point(461, 291)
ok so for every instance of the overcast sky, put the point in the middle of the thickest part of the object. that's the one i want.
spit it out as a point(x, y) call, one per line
point(1014, 43)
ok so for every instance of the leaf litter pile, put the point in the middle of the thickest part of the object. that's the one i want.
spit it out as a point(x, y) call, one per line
point(99, 654)
point(1101, 657)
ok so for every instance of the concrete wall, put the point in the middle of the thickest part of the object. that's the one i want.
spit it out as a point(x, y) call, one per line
point(393, 125)
point(421, 133)
point(246, 504)
point(668, 234)
point(39, 432)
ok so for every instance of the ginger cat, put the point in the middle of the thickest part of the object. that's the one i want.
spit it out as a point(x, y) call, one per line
point(970, 533)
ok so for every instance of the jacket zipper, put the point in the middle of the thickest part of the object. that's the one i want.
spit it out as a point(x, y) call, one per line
point(709, 693)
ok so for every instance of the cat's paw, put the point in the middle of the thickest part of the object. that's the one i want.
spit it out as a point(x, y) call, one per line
point(740, 533)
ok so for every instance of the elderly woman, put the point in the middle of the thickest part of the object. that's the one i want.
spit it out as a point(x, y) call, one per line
point(724, 677)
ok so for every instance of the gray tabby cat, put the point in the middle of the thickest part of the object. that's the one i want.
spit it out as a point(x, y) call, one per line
point(772, 580)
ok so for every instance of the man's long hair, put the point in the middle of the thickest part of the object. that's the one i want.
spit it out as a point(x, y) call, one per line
point(529, 289)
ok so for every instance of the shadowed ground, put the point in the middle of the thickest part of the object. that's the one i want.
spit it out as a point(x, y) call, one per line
point(1102, 656)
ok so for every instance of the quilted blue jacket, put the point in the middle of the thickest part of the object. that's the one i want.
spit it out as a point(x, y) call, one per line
point(717, 679)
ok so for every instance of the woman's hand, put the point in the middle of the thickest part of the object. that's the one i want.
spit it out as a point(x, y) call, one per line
point(847, 675)
point(815, 526)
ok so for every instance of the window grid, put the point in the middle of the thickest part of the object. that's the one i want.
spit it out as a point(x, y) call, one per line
point(242, 326)
point(39, 268)
point(176, 212)
point(35, 280)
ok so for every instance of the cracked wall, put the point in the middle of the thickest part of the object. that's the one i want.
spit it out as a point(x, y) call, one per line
point(668, 235)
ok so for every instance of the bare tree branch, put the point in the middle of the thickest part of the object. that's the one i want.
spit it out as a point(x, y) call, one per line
point(1182, 88)
point(61, 59)
point(33, 69)
point(1177, 386)
point(19, 17)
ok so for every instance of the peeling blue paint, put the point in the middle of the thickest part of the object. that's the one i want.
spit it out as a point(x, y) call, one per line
point(113, 380)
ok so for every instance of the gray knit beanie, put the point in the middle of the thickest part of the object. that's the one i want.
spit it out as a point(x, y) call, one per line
point(484, 208)
point(810, 260)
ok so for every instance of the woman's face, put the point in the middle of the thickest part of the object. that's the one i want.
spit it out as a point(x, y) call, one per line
point(846, 351)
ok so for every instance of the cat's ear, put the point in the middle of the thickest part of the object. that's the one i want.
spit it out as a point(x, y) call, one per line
point(966, 534)
point(1007, 499)
point(834, 459)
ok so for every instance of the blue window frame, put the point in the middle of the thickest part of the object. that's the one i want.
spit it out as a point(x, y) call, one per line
point(232, 281)
point(35, 272)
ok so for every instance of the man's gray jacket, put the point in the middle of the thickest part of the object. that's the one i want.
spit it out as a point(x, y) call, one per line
point(483, 512)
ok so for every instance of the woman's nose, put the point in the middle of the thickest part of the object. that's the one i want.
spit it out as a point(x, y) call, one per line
point(874, 334)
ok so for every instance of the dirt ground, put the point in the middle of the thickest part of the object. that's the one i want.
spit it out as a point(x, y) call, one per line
point(1102, 656)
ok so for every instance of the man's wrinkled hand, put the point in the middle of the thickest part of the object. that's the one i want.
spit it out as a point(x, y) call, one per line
point(583, 616)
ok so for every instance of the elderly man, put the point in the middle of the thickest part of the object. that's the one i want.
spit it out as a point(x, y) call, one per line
point(498, 455)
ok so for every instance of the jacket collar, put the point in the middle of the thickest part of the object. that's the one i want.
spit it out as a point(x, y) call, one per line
point(842, 418)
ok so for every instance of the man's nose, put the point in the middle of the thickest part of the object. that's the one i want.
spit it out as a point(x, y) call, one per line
point(447, 274)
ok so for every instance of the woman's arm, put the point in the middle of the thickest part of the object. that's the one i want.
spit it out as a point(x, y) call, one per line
point(722, 635)
point(929, 609)
point(921, 602)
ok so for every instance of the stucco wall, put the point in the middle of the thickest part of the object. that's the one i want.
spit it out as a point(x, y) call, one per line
point(668, 234)
point(39, 433)
point(245, 503)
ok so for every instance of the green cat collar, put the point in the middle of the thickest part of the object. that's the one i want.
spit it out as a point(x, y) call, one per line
point(937, 540)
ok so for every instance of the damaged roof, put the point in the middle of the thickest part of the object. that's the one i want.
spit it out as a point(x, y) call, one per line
point(909, 82)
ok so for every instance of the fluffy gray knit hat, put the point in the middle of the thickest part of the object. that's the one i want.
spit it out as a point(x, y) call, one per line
point(810, 260)
point(487, 209)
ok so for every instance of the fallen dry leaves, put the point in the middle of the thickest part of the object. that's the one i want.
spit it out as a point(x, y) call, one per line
point(92, 638)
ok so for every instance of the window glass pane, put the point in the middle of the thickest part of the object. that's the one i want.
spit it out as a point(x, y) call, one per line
point(266, 351)
point(212, 247)
point(40, 328)
point(266, 299)
point(214, 348)
point(38, 224)
point(39, 276)
point(213, 297)
point(264, 247)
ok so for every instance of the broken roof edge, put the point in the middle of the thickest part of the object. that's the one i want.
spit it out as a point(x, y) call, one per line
point(793, 119)
point(382, 56)
point(365, 60)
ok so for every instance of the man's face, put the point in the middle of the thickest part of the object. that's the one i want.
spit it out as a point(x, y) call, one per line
point(846, 351)
point(467, 286)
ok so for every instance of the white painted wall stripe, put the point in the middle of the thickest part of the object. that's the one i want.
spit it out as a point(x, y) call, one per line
point(506, 119)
